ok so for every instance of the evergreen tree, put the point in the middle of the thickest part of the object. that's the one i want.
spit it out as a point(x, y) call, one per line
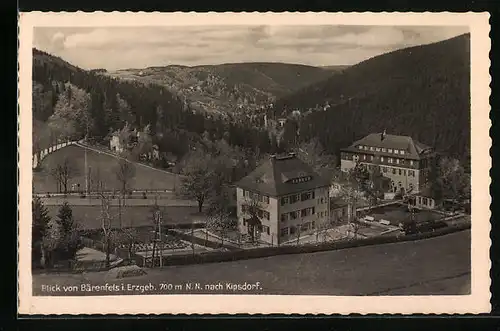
point(69, 238)
point(39, 227)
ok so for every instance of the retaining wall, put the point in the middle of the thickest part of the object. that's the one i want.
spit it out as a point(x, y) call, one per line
point(38, 157)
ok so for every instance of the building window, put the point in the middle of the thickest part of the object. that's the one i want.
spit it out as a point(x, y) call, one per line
point(390, 160)
point(313, 225)
point(304, 212)
point(307, 196)
point(400, 172)
point(293, 215)
point(371, 148)
point(364, 157)
point(284, 217)
point(384, 150)
point(266, 214)
point(284, 232)
point(397, 161)
point(292, 230)
point(393, 171)
point(404, 172)
point(360, 146)
point(377, 149)
point(382, 159)
point(293, 198)
point(402, 152)
point(411, 162)
point(371, 157)
point(284, 201)
point(390, 150)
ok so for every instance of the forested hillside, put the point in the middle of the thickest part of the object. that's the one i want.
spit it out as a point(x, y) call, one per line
point(422, 91)
point(69, 101)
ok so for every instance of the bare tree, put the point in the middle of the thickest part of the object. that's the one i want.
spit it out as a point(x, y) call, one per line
point(199, 181)
point(106, 225)
point(63, 172)
point(253, 209)
point(219, 218)
point(125, 172)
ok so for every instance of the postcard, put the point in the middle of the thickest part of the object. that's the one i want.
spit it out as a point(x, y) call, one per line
point(292, 163)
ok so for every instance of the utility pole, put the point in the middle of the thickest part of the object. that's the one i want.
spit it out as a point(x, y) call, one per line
point(160, 245)
point(86, 171)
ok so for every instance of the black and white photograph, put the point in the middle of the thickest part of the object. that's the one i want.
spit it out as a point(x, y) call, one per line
point(255, 159)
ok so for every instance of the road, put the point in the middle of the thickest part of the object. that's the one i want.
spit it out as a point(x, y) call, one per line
point(436, 266)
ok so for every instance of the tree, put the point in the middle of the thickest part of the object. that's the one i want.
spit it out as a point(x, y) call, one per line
point(198, 182)
point(70, 239)
point(72, 116)
point(219, 217)
point(378, 184)
point(106, 226)
point(449, 180)
point(38, 229)
point(51, 241)
point(63, 172)
point(125, 172)
point(313, 153)
point(253, 208)
point(353, 189)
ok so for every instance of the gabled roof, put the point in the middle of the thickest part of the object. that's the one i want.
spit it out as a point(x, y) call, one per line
point(283, 175)
point(413, 149)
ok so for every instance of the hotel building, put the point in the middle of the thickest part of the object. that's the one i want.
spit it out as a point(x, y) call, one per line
point(402, 159)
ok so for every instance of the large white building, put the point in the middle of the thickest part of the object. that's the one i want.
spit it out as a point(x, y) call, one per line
point(405, 161)
point(292, 199)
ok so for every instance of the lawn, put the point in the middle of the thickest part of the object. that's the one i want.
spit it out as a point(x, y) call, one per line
point(132, 216)
point(439, 266)
point(399, 213)
point(145, 177)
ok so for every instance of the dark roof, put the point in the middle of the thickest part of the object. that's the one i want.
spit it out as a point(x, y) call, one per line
point(274, 177)
point(413, 149)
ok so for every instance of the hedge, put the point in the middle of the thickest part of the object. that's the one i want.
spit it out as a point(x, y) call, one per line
point(240, 254)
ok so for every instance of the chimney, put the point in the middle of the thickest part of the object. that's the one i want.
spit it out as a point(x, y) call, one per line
point(382, 135)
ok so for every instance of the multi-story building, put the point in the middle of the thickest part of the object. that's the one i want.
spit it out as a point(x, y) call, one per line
point(403, 160)
point(290, 197)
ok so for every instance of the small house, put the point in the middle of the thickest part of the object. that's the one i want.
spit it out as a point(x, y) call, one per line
point(115, 144)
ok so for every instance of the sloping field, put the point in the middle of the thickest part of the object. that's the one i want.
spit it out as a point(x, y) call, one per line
point(439, 266)
point(145, 177)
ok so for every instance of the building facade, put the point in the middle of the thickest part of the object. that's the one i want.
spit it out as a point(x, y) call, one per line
point(290, 198)
point(403, 160)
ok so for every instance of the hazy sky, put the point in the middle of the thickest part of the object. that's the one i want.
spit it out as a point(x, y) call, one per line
point(138, 47)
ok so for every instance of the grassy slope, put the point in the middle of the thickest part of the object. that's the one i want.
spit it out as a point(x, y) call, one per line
point(145, 178)
point(433, 266)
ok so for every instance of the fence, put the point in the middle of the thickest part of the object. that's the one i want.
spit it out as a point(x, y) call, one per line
point(39, 156)
point(240, 254)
